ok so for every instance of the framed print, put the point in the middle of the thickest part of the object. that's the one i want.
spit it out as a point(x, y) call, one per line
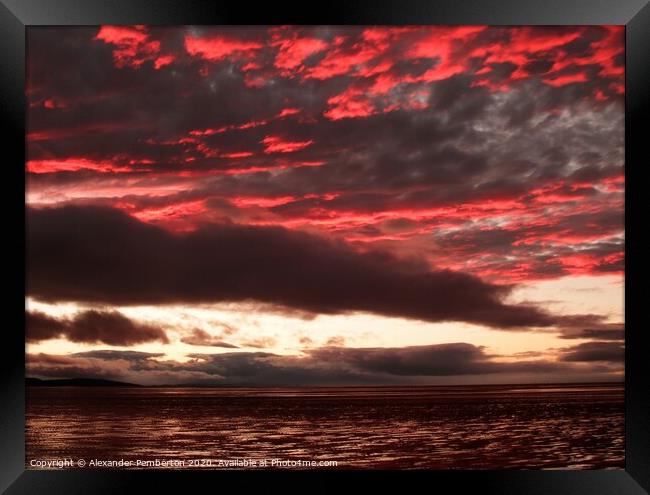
point(359, 242)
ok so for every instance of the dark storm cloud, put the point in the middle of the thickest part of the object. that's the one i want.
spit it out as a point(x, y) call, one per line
point(101, 255)
point(110, 355)
point(398, 225)
point(355, 365)
point(595, 351)
point(319, 366)
point(608, 332)
point(457, 97)
point(92, 326)
point(431, 360)
point(434, 360)
point(63, 366)
point(39, 326)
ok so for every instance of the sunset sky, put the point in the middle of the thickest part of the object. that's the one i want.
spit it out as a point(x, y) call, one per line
point(325, 205)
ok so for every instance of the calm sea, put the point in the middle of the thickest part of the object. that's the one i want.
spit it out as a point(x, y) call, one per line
point(487, 427)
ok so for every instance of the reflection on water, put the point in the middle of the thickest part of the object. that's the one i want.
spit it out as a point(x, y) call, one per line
point(578, 427)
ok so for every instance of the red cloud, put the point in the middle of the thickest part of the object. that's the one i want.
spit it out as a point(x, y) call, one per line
point(170, 215)
point(237, 154)
point(356, 102)
point(123, 35)
point(286, 112)
point(218, 130)
point(293, 50)
point(164, 60)
point(133, 46)
point(344, 59)
point(74, 165)
point(263, 202)
point(349, 104)
point(217, 48)
point(567, 79)
point(276, 144)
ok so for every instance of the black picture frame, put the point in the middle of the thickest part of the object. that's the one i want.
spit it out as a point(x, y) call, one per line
point(17, 15)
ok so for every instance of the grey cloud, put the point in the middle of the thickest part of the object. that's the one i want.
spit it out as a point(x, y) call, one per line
point(101, 255)
point(319, 366)
point(606, 351)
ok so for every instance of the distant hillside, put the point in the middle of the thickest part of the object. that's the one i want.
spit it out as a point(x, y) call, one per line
point(76, 382)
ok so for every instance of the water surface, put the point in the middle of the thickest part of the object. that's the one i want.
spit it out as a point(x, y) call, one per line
point(487, 427)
